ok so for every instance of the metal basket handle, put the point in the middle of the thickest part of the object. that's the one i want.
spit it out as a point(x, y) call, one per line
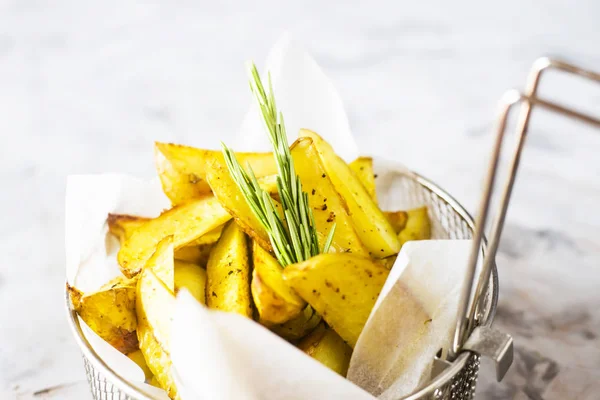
point(484, 340)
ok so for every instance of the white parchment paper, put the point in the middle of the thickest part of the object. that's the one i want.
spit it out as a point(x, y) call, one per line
point(217, 355)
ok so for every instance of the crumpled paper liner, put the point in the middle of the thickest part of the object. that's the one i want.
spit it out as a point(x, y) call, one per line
point(217, 355)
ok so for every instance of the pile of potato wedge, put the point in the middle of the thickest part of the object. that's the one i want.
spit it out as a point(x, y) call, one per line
point(211, 244)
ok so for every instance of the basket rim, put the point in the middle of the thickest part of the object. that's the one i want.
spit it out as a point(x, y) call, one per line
point(457, 365)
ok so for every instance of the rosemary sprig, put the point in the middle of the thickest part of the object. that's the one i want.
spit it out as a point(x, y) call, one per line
point(292, 233)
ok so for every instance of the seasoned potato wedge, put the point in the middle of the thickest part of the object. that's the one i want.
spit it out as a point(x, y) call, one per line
point(155, 307)
point(194, 254)
point(342, 288)
point(275, 301)
point(418, 226)
point(191, 277)
point(298, 327)
point(229, 194)
point(363, 169)
point(371, 225)
point(123, 225)
point(328, 207)
point(228, 273)
point(185, 223)
point(209, 237)
point(397, 219)
point(182, 169)
point(138, 358)
point(327, 347)
point(110, 312)
point(161, 263)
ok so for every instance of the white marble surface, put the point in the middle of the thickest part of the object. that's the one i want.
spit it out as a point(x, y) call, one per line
point(87, 86)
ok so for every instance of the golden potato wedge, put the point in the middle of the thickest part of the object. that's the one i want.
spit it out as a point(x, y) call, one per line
point(208, 238)
point(228, 273)
point(372, 227)
point(397, 219)
point(327, 347)
point(123, 225)
point(363, 169)
point(155, 307)
point(191, 277)
point(185, 223)
point(275, 301)
point(328, 207)
point(138, 358)
point(418, 226)
point(342, 288)
point(297, 328)
point(161, 263)
point(229, 194)
point(182, 169)
point(195, 254)
point(154, 382)
point(387, 262)
point(110, 312)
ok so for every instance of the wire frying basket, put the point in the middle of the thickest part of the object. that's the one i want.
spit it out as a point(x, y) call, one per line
point(454, 377)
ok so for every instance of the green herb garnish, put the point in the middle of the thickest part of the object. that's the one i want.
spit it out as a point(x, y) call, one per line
point(293, 235)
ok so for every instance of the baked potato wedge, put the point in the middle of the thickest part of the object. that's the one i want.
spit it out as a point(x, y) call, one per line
point(185, 223)
point(297, 328)
point(162, 264)
point(155, 307)
point(228, 273)
point(418, 226)
point(110, 312)
point(397, 219)
point(182, 169)
point(191, 277)
point(194, 254)
point(363, 169)
point(274, 300)
point(229, 194)
point(372, 227)
point(328, 207)
point(342, 288)
point(123, 225)
point(327, 347)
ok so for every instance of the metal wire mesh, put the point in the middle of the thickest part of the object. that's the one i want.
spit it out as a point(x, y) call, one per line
point(449, 221)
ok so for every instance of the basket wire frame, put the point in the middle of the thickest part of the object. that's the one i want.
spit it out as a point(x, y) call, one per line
point(449, 221)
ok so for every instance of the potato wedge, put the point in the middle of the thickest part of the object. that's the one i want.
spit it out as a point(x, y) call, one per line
point(297, 328)
point(363, 169)
point(191, 277)
point(161, 263)
point(228, 273)
point(327, 347)
point(328, 207)
point(275, 301)
point(110, 312)
point(209, 237)
point(194, 254)
point(397, 219)
point(418, 226)
point(342, 288)
point(372, 227)
point(155, 307)
point(185, 223)
point(123, 225)
point(182, 169)
point(138, 358)
point(229, 194)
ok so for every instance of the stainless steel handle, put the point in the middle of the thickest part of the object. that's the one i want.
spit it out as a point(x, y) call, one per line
point(467, 317)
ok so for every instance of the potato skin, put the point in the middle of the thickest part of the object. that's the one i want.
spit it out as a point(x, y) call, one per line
point(228, 273)
point(342, 288)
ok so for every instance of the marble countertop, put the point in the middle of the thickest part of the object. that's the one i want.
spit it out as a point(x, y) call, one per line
point(87, 88)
